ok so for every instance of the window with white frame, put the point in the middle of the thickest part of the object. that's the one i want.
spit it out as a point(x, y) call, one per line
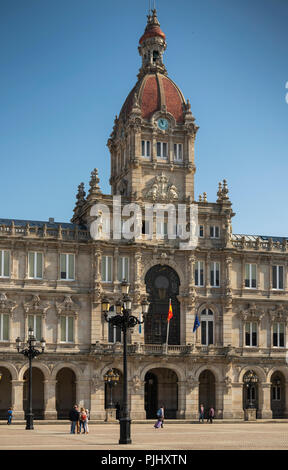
point(278, 277)
point(123, 268)
point(207, 327)
point(214, 231)
point(146, 148)
point(251, 333)
point(178, 152)
point(162, 150)
point(35, 265)
point(67, 266)
point(35, 322)
point(4, 263)
point(67, 329)
point(214, 274)
point(276, 389)
point(106, 267)
point(251, 276)
point(199, 273)
point(278, 335)
point(4, 327)
point(114, 332)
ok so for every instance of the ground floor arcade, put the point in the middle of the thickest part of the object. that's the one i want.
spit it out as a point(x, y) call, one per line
point(180, 386)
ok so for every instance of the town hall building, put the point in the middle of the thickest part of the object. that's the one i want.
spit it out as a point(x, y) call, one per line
point(54, 276)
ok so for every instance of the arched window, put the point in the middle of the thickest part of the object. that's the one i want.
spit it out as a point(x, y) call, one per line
point(207, 327)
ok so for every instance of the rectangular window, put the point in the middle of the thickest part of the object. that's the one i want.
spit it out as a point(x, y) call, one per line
point(214, 231)
point(67, 329)
point(251, 334)
point(206, 332)
point(106, 268)
point(201, 231)
point(215, 274)
point(67, 266)
point(199, 273)
point(34, 321)
point(276, 392)
point(123, 268)
point(35, 265)
point(4, 263)
point(178, 152)
point(162, 149)
point(114, 333)
point(278, 335)
point(250, 275)
point(146, 146)
point(161, 228)
point(278, 277)
point(4, 327)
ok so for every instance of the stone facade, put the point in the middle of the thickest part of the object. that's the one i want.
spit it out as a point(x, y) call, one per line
point(54, 275)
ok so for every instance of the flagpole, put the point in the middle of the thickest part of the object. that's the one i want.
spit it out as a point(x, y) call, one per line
point(167, 335)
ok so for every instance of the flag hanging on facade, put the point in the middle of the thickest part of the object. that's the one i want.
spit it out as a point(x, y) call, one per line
point(140, 326)
point(196, 323)
point(170, 313)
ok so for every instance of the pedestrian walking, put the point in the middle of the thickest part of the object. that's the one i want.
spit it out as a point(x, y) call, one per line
point(211, 414)
point(160, 418)
point(88, 418)
point(83, 420)
point(10, 415)
point(201, 415)
point(74, 418)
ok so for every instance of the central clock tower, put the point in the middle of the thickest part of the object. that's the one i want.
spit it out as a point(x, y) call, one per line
point(152, 142)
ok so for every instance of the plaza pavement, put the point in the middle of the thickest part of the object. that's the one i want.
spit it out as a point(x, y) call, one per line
point(266, 435)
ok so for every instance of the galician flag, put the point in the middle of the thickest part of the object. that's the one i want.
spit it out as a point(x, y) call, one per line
point(170, 313)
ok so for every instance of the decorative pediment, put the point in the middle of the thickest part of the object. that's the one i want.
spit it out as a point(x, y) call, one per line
point(6, 305)
point(252, 313)
point(279, 314)
point(68, 306)
point(162, 190)
point(36, 306)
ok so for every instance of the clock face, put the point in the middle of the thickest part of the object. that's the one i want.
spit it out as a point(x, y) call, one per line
point(163, 124)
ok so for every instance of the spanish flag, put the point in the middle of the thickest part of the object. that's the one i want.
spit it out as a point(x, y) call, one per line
point(170, 313)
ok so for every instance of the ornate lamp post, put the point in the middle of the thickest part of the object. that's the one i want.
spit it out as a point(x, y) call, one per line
point(250, 379)
point(111, 379)
point(124, 320)
point(31, 352)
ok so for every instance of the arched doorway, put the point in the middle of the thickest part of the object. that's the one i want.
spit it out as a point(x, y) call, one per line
point(250, 391)
point(37, 393)
point(162, 284)
point(5, 392)
point(278, 395)
point(65, 392)
point(207, 396)
point(161, 388)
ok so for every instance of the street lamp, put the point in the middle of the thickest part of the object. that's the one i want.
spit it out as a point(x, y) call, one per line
point(250, 379)
point(111, 379)
point(31, 352)
point(124, 320)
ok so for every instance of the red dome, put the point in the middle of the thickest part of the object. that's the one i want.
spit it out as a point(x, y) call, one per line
point(152, 32)
point(155, 90)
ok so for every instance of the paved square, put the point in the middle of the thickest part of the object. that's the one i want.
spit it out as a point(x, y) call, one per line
point(242, 436)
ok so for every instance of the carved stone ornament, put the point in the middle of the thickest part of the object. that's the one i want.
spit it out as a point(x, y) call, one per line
point(137, 383)
point(67, 306)
point(6, 305)
point(252, 313)
point(36, 306)
point(279, 314)
point(162, 190)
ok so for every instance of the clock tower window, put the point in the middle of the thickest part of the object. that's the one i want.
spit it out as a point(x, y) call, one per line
point(162, 150)
point(146, 148)
point(178, 152)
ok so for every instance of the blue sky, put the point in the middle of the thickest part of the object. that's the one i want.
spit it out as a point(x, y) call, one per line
point(68, 65)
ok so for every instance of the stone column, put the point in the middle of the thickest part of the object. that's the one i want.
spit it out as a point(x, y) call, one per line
point(181, 400)
point(264, 390)
point(83, 392)
point(137, 398)
point(227, 399)
point(219, 399)
point(286, 399)
point(97, 404)
point(237, 400)
point(17, 399)
point(50, 411)
point(192, 399)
